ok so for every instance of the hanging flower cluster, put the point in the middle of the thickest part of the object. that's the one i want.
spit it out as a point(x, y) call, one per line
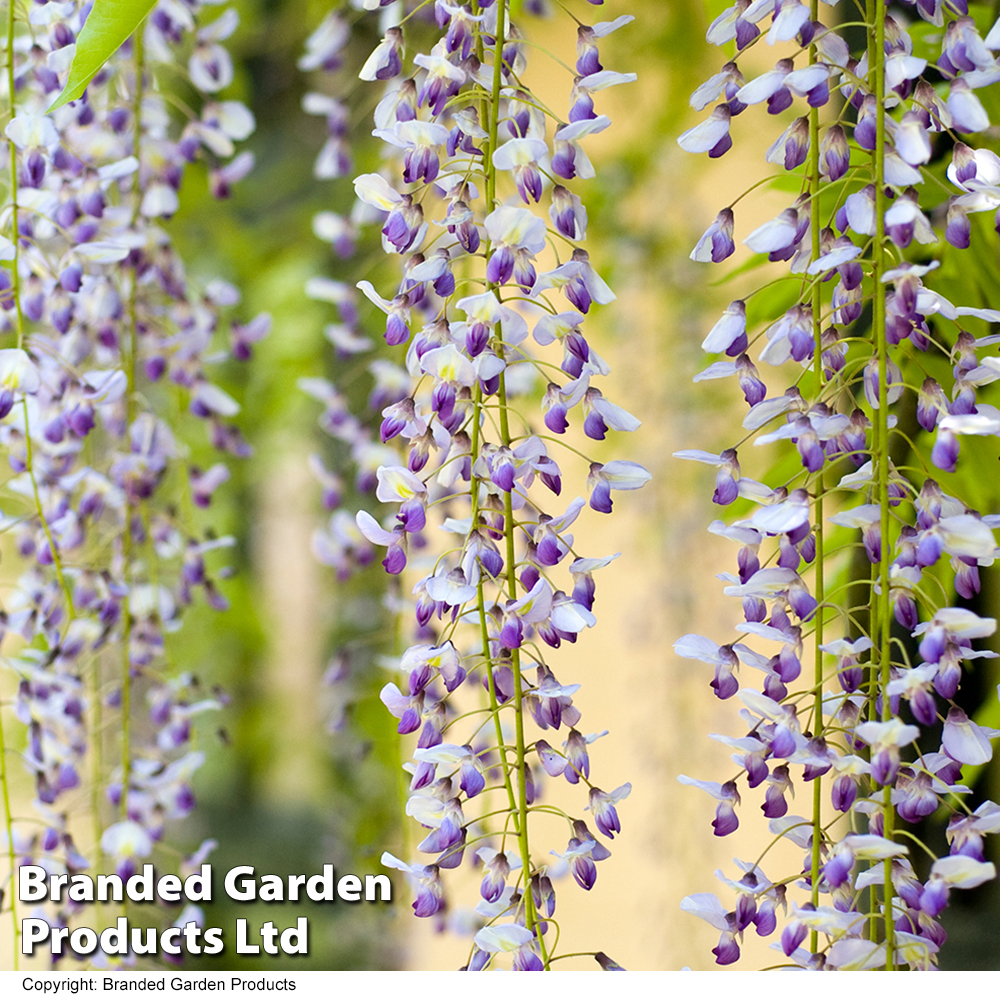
point(476, 199)
point(108, 343)
point(857, 565)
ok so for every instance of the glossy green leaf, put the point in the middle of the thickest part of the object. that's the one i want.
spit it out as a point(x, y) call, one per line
point(109, 24)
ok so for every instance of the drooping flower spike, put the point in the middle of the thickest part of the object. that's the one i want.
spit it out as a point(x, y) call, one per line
point(862, 515)
point(466, 199)
point(108, 340)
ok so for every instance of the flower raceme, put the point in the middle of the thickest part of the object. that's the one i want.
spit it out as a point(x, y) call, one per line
point(889, 153)
point(107, 341)
point(474, 171)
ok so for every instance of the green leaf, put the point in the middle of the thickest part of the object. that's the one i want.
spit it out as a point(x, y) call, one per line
point(109, 24)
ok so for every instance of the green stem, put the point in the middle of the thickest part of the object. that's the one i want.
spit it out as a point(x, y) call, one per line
point(483, 626)
point(9, 827)
point(130, 372)
point(96, 771)
point(16, 286)
point(881, 604)
point(15, 272)
point(484, 115)
point(56, 558)
point(820, 588)
point(531, 916)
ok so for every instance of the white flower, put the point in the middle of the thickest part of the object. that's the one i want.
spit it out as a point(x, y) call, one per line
point(774, 235)
point(18, 372)
point(963, 872)
point(127, 839)
point(707, 135)
point(32, 132)
point(503, 937)
point(893, 733)
point(397, 484)
point(516, 227)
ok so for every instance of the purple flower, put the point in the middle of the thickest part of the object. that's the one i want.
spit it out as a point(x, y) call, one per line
point(717, 242)
point(426, 882)
point(496, 869)
point(835, 154)
point(616, 475)
point(385, 62)
point(711, 136)
point(602, 804)
point(791, 148)
point(725, 821)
